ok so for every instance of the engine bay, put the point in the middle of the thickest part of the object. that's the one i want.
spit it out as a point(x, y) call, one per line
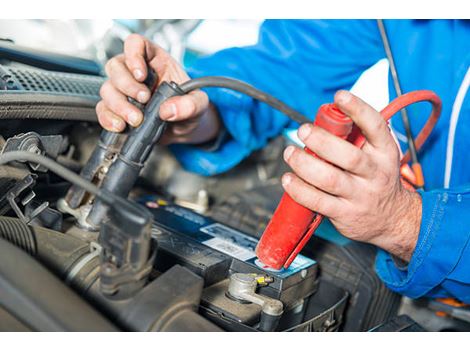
point(180, 255)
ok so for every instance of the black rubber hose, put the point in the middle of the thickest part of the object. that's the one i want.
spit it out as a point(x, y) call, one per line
point(245, 88)
point(18, 233)
point(34, 296)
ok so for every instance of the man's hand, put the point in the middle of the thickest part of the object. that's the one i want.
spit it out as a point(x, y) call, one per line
point(193, 119)
point(358, 189)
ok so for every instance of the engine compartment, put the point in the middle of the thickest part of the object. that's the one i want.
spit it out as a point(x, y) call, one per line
point(201, 273)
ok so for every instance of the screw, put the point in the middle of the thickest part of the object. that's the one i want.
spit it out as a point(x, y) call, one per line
point(34, 149)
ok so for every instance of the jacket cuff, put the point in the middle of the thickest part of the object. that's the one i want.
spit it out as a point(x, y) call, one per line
point(438, 249)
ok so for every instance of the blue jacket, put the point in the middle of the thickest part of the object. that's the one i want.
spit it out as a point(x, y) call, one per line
point(304, 62)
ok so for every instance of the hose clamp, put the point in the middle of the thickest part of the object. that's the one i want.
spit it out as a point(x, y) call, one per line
point(95, 250)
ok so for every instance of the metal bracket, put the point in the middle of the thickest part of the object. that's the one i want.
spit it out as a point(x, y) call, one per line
point(14, 194)
point(35, 143)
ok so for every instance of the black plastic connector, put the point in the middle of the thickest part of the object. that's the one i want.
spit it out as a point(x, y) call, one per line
point(125, 170)
point(127, 254)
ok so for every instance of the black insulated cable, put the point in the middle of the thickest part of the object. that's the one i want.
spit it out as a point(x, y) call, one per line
point(245, 88)
point(58, 169)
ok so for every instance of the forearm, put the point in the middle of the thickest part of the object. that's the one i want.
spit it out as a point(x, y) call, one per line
point(439, 263)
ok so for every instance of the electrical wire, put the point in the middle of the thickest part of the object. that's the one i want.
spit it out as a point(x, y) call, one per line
point(245, 88)
point(60, 170)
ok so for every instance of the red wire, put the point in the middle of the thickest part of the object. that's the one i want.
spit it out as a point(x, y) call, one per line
point(411, 98)
point(402, 102)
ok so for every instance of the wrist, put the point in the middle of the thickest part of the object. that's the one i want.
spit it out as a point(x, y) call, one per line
point(401, 235)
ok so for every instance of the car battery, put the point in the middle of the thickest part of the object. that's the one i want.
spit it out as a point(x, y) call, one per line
point(214, 251)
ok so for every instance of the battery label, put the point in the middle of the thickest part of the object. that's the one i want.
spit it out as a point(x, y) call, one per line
point(229, 248)
point(216, 236)
point(230, 241)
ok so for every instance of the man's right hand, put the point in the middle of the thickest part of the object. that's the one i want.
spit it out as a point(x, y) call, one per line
point(192, 118)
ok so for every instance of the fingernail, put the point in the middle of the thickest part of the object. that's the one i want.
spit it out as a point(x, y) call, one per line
point(168, 111)
point(133, 118)
point(286, 179)
point(304, 131)
point(117, 125)
point(288, 152)
point(344, 97)
point(142, 96)
point(138, 74)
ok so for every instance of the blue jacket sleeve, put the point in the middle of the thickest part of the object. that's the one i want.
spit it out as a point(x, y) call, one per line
point(440, 263)
point(302, 62)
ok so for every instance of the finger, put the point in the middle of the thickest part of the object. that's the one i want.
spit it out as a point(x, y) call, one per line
point(181, 129)
point(123, 81)
point(119, 105)
point(108, 119)
point(371, 123)
point(137, 53)
point(318, 173)
point(309, 196)
point(170, 138)
point(335, 150)
point(184, 107)
point(179, 132)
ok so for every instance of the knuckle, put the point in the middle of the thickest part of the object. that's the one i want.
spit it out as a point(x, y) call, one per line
point(332, 182)
point(313, 202)
point(131, 88)
point(204, 98)
point(107, 67)
point(316, 137)
point(201, 98)
point(104, 88)
point(294, 157)
point(99, 108)
point(102, 116)
point(187, 107)
point(383, 179)
point(377, 124)
point(354, 160)
point(134, 37)
point(361, 109)
point(111, 63)
point(192, 108)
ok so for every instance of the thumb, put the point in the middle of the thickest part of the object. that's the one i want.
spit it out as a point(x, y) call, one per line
point(184, 107)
